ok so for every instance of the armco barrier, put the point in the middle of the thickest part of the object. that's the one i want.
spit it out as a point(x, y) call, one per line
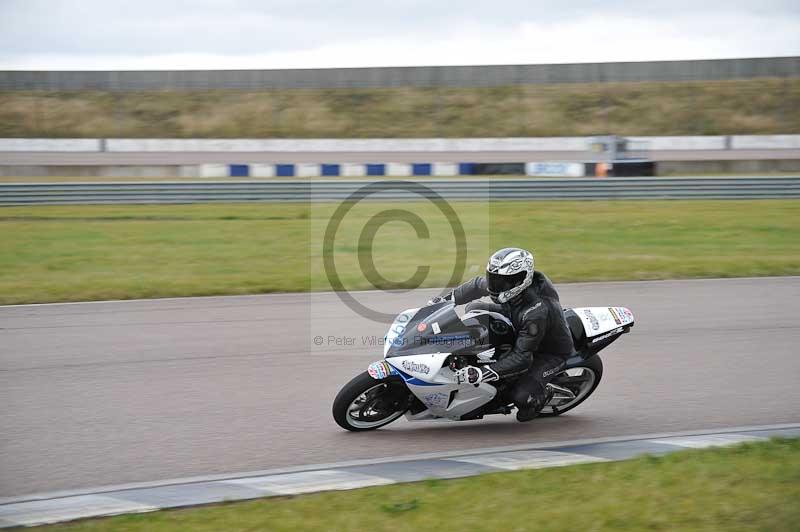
point(450, 189)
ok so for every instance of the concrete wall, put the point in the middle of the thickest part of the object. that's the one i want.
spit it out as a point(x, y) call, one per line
point(541, 144)
point(50, 145)
point(678, 143)
point(345, 170)
point(434, 76)
point(758, 142)
point(346, 145)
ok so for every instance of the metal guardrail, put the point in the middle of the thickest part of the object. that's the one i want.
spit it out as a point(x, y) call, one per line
point(450, 189)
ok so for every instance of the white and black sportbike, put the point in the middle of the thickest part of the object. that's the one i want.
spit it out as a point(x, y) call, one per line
point(426, 346)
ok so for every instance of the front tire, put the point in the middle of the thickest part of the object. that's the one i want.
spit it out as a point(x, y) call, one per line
point(365, 403)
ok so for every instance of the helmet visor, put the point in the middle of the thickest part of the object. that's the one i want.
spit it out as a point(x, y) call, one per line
point(497, 283)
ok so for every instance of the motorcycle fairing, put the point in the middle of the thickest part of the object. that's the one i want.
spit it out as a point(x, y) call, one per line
point(433, 383)
point(601, 320)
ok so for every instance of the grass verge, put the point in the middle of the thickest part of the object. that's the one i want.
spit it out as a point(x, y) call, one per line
point(754, 486)
point(70, 253)
point(753, 106)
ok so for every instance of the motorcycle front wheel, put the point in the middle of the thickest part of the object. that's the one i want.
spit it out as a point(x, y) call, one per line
point(365, 403)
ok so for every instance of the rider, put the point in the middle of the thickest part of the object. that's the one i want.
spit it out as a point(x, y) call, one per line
point(543, 341)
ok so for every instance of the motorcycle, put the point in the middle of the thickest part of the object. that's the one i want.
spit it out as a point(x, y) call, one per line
point(424, 347)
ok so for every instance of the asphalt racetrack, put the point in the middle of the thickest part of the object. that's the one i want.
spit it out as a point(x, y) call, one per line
point(108, 393)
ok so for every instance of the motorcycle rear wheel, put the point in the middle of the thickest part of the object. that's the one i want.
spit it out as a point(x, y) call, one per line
point(365, 403)
point(582, 380)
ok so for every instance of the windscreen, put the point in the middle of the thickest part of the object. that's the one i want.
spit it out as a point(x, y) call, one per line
point(417, 330)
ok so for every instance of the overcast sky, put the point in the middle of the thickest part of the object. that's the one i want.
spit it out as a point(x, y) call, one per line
point(217, 34)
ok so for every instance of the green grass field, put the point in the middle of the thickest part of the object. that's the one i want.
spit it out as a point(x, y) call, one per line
point(750, 487)
point(756, 106)
point(71, 253)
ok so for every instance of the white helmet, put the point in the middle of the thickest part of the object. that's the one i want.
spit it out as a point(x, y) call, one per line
point(509, 272)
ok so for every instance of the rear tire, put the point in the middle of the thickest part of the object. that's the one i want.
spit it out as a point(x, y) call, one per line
point(365, 403)
point(595, 368)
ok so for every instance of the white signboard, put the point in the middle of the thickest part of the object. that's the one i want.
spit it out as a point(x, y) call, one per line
point(555, 169)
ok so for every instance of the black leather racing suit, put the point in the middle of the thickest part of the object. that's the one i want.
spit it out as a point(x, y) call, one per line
point(543, 339)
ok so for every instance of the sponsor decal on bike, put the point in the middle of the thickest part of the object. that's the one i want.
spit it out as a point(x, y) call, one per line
point(628, 315)
point(607, 335)
point(487, 356)
point(416, 366)
point(592, 319)
point(437, 399)
point(436, 328)
point(615, 315)
point(379, 370)
point(421, 327)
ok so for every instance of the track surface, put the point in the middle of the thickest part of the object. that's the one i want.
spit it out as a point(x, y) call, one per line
point(170, 158)
point(107, 393)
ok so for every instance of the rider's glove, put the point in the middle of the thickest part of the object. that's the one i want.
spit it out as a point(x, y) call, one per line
point(473, 375)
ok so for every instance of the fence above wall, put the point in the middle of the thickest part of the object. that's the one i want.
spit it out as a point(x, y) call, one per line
point(379, 77)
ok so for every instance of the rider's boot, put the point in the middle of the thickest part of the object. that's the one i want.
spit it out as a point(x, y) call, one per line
point(534, 406)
